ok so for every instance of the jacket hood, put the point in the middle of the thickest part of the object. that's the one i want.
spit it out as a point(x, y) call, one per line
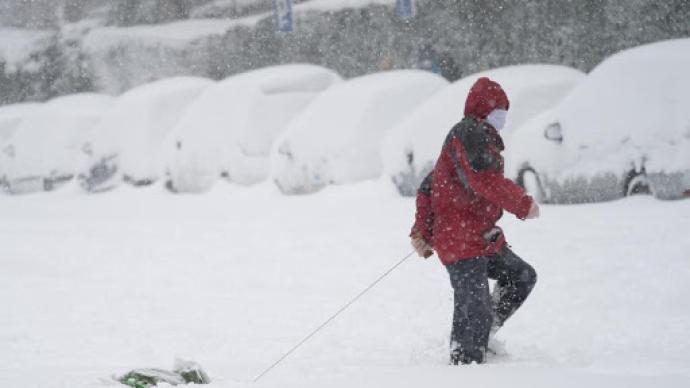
point(485, 96)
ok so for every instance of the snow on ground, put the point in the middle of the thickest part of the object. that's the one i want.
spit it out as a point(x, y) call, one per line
point(96, 285)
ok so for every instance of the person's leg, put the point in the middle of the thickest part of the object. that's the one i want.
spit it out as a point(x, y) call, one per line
point(472, 310)
point(515, 279)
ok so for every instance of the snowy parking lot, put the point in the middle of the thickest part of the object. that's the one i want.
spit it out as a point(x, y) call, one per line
point(97, 285)
point(222, 192)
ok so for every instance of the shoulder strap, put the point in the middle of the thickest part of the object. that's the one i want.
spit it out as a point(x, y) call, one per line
point(467, 124)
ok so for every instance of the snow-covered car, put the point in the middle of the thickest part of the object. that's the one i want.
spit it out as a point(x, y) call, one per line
point(49, 145)
point(337, 139)
point(10, 118)
point(625, 129)
point(130, 140)
point(229, 129)
point(411, 148)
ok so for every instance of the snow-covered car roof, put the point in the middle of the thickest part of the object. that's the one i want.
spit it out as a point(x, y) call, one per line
point(412, 147)
point(337, 138)
point(230, 127)
point(134, 130)
point(51, 138)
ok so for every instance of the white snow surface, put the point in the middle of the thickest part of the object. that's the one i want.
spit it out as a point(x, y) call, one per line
point(93, 286)
point(337, 139)
point(531, 89)
point(631, 108)
point(140, 121)
point(50, 140)
point(231, 127)
point(11, 116)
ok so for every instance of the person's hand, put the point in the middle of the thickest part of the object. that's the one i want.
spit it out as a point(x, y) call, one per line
point(422, 248)
point(533, 211)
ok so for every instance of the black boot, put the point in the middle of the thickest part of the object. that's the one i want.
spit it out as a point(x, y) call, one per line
point(457, 357)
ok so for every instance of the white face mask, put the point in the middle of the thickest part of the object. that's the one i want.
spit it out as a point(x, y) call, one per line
point(497, 118)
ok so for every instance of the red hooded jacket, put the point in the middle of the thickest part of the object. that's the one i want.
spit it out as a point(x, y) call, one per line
point(460, 201)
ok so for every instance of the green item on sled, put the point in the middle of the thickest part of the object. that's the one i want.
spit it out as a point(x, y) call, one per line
point(184, 372)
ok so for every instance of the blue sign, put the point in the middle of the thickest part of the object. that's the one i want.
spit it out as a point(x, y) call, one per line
point(406, 9)
point(283, 15)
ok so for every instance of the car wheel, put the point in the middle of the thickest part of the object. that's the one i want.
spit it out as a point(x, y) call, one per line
point(637, 183)
point(529, 180)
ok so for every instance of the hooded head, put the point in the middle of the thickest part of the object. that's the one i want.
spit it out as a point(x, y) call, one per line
point(485, 96)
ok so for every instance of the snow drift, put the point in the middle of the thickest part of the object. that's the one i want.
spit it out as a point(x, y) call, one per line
point(97, 286)
point(230, 128)
point(629, 117)
point(410, 150)
point(131, 136)
point(49, 144)
point(337, 139)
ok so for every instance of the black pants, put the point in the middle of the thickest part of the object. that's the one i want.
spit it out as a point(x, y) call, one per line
point(476, 310)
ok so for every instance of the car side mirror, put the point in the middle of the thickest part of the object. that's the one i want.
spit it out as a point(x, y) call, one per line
point(554, 133)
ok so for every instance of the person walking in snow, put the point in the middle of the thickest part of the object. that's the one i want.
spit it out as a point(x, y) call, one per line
point(457, 207)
